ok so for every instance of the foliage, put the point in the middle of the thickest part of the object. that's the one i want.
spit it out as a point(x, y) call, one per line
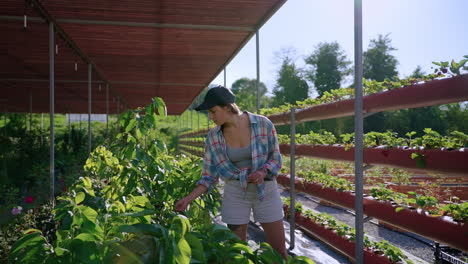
point(328, 67)
point(331, 223)
point(389, 139)
point(452, 69)
point(459, 212)
point(378, 63)
point(245, 90)
point(122, 209)
point(440, 118)
point(290, 85)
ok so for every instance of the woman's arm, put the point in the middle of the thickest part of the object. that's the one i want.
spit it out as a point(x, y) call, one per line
point(182, 204)
point(208, 180)
point(274, 160)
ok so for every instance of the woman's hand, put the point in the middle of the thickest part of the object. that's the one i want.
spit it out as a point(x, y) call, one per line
point(182, 204)
point(257, 176)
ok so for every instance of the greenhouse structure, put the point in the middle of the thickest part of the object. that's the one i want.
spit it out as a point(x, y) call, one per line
point(104, 192)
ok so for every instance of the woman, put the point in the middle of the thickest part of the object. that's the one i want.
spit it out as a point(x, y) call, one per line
point(243, 150)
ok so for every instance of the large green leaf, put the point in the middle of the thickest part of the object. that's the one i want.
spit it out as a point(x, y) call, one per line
point(196, 247)
point(30, 240)
point(89, 213)
point(86, 237)
point(131, 125)
point(79, 197)
point(180, 224)
point(160, 105)
point(182, 252)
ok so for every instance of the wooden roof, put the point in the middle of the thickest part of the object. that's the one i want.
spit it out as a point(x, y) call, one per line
point(141, 49)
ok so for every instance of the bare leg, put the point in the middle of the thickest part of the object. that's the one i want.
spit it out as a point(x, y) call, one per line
point(239, 230)
point(275, 236)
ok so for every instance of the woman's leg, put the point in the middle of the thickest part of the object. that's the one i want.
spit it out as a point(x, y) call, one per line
point(275, 236)
point(239, 230)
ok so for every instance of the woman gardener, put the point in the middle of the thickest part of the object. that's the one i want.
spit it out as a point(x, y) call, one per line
point(243, 150)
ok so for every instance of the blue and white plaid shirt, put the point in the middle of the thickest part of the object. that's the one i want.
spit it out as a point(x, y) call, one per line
point(265, 154)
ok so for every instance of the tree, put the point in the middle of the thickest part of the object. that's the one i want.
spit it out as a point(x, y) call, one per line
point(245, 90)
point(418, 72)
point(328, 67)
point(379, 64)
point(290, 85)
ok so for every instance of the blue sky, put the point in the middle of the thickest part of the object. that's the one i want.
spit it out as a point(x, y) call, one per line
point(422, 31)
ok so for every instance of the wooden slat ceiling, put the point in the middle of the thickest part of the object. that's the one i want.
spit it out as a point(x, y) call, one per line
point(142, 49)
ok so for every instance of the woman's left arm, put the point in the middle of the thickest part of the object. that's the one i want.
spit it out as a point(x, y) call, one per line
point(274, 160)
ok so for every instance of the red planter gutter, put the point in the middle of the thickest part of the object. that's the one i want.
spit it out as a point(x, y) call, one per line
point(338, 243)
point(436, 92)
point(192, 151)
point(193, 143)
point(442, 229)
point(201, 132)
point(453, 162)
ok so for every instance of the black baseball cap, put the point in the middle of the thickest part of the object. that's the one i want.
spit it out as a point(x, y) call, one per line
point(217, 96)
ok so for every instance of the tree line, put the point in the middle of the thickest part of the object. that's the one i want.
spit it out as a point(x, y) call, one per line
point(328, 68)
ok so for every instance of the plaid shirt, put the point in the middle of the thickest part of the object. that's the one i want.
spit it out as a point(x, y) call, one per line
point(265, 154)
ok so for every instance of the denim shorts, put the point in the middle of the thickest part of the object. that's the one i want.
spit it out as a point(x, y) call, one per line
point(236, 210)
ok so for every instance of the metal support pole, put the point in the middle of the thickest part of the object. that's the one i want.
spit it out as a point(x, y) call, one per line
point(258, 71)
point(30, 111)
point(292, 156)
point(52, 111)
point(42, 129)
point(89, 109)
point(358, 130)
point(224, 76)
point(80, 121)
point(4, 121)
point(107, 110)
point(5, 163)
point(118, 112)
point(191, 119)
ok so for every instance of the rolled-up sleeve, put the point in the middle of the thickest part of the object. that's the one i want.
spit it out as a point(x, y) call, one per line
point(274, 160)
point(209, 174)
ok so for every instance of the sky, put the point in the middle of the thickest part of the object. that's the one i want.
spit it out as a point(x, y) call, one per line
point(422, 31)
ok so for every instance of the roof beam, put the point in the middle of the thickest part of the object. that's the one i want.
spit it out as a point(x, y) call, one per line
point(48, 18)
point(97, 81)
point(135, 24)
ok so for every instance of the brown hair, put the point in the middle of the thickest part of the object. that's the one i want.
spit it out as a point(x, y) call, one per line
point(233, 108)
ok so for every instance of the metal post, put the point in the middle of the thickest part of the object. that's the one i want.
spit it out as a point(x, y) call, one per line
point(118, 111)
point(69, 128)
point(191, 119)
point(89, 108)
point(30, 111)
point(107, 110)
point(80, 121)
point(437, 253)
point(358, 130)
point(5, 168)
point(292, 156)
point(224, 76)
point(4, 121)
point(52, 111)
point(42, 129)
point(258, 71)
